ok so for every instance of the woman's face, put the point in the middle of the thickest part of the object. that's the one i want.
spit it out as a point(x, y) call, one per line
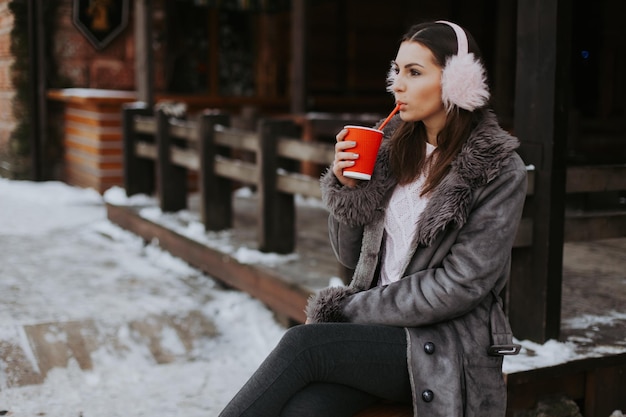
point(417, 86)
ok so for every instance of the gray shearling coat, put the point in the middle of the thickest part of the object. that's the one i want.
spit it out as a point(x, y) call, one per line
point(459, 260)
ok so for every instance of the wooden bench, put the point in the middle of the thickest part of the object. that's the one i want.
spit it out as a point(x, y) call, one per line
point(159, 151)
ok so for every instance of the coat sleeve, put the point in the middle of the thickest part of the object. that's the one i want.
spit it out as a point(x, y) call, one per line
point(478, 258)
point(350, 209)
point(345, 241)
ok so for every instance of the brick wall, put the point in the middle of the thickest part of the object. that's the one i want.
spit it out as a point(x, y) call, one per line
point(75, 63)
point(7, 119)
point(82, 65)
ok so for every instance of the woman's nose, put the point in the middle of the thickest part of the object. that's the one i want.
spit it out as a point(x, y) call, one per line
point(398, 85)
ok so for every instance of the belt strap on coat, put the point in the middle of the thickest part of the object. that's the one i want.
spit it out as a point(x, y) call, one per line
point(501, 334)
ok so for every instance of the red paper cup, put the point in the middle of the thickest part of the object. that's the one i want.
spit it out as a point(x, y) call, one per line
point(368, 141)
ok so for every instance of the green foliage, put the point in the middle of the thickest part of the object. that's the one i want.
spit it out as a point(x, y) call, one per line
point(19, 143)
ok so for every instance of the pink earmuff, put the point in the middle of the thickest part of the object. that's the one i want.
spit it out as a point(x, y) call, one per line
point(463, 80)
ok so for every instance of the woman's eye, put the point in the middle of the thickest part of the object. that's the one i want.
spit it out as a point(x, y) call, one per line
point(415, 73)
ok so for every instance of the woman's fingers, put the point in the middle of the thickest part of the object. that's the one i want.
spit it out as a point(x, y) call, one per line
point(344, 158)
point(341, 135)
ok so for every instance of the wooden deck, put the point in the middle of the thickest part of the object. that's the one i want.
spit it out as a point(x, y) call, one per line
point(594, 287)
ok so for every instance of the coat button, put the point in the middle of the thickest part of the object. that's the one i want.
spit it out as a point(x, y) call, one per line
point(429, 347)
point(428, 395)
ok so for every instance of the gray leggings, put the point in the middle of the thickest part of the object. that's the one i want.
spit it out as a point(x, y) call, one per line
point(331, 369)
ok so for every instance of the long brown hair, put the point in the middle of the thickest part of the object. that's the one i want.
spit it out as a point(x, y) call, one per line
point(408, 142)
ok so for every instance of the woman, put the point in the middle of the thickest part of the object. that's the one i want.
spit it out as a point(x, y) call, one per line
point(430, 238)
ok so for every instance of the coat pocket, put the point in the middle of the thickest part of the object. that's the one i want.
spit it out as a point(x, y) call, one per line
point(485, 389)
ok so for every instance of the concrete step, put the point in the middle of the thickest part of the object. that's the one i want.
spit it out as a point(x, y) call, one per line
point(29, 352)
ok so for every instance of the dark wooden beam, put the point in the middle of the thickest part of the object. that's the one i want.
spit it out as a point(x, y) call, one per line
point(139, 173)
point(37, 90)
point(277, 214)
point(217, 204)
point(144, 62)
point(540, 121)
point(298, 56)
point(595, 382)
point(171, 178)
point(504, 56)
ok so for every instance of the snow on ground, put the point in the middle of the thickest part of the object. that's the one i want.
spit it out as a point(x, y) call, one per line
point(61, 261)
point(188, 224)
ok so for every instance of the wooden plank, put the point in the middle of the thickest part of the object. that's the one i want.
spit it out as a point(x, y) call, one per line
point(297, 149)
point(582, 380)
point(297, 184)
point(183, 129)
point(92, 119)
point(102, 149)
point(595, 226)
point(146, 150)
point(237, 139)
point(94, 134)
point(91, 161)
point(579, 228)
point(525, 396)
point(145, 125)
point(236, 170)
point(185, 157)
point(605, 391)
point(585, 179)
point(564, 369)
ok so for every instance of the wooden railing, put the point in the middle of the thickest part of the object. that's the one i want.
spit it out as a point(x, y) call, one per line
point(160, 150)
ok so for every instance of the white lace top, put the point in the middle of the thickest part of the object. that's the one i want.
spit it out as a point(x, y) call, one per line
point(404, 210)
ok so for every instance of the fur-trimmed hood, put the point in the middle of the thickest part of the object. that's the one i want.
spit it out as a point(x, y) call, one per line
point(479, 161)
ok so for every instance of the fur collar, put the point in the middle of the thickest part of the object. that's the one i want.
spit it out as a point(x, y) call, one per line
point(483, 155)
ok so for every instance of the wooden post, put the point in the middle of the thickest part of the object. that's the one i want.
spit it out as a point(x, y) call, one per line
point(37, 91)
point(144, 62)
point(277, 217)
point(298, 56)
point(504, 52)
point(138, 172)
point(215, 191)
point(543, 31)
point(171, 178)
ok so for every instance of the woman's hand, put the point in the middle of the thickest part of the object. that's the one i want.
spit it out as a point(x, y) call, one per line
point(344, 159)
